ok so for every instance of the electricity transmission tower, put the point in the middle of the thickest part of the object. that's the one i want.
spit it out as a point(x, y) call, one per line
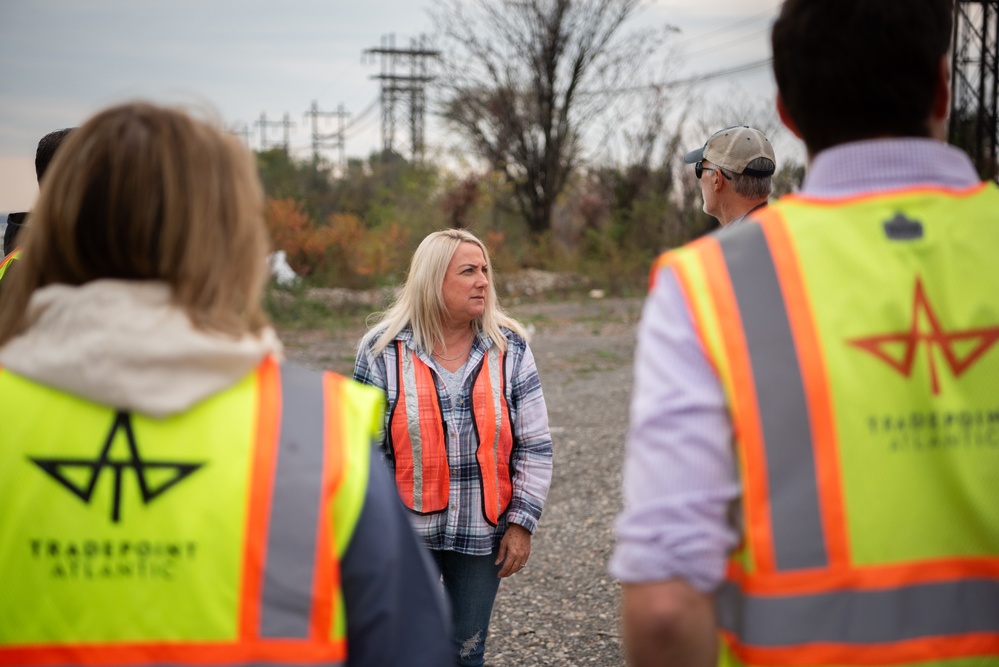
point(974, 112)
point(263, 124)
point(403, 79)
point(336, 139)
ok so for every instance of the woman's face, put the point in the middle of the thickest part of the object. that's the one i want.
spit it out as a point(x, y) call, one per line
point(465, 285)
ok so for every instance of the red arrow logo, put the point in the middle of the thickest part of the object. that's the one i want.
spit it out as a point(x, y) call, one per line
point(934, 335)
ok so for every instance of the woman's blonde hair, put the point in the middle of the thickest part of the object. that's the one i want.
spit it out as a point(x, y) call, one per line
point(420, 303)
point(142, 192)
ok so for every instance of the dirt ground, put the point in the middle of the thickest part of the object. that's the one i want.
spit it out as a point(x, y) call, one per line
point(562, 610)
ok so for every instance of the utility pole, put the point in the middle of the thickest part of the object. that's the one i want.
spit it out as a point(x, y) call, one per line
point(287, 123)
point(263, 124)
point(341, 143)
point(403, 77)
point(338, 138)
point(974, 111)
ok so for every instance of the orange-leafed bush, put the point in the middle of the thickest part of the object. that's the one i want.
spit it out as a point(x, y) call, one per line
point(290, 228)
point(383, 253)
point(361, 255)
point(344, 252)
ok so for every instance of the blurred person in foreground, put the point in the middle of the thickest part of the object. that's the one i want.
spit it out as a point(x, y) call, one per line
point(44, 153)
point(734, 168)
point(170, 493)
point(467, 427)
point(815, 392)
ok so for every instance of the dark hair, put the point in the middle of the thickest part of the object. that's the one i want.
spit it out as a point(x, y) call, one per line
point(857, 69)
point(15, 222)
point(47, 146)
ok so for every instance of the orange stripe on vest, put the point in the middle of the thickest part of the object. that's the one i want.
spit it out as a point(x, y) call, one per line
point(419, 443)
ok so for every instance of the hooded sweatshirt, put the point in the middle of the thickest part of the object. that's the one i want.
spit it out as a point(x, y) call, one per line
point(124, 344)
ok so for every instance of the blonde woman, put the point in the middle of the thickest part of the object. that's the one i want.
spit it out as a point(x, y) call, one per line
point(170, 493)
point(466, 432)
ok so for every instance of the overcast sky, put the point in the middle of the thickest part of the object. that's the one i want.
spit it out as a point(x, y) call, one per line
point(62, 60)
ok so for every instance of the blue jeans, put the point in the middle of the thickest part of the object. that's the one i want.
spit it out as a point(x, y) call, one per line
point(471, 584)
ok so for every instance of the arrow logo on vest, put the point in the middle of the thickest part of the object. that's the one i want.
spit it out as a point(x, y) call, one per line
point(58, 467)
point(934, 335)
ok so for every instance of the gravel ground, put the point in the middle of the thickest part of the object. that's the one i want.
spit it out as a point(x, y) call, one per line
point(562, 610)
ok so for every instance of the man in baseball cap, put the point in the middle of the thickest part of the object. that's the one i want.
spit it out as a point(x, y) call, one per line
point(734, 167)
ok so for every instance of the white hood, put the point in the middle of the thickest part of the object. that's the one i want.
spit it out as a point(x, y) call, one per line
point(125, 345)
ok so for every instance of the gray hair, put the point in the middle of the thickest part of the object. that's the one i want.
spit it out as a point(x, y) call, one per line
point(754, 187)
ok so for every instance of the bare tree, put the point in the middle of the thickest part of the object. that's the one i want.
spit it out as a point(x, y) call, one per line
point(524, 79)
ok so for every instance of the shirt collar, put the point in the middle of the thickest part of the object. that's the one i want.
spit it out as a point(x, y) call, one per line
point(747, 214)
point(406, 336)
point(887, 164)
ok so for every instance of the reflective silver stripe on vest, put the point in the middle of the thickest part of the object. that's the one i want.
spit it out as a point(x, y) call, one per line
point(291, 540)
point(861, 617)
point(495, 383)
point(413, 424)
point(794, 505)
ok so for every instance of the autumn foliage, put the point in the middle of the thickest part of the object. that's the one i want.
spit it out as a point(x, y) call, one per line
point(340, 251)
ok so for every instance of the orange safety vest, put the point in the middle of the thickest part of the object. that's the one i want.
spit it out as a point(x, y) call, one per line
point(418, 439)
point(866, 426)
point(290, 447)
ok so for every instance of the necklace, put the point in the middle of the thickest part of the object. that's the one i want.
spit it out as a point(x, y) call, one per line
point(459, 355)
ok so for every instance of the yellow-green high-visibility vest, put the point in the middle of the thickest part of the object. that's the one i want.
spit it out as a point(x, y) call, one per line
point(856, 342)
point(8, 260)
point(211, 537)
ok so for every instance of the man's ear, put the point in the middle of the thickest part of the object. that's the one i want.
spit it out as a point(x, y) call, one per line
point(785, 117)
point(941, 95)
point(717, 180)
point(937, 122)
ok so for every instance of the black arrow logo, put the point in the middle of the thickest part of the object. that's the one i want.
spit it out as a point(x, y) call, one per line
point(55, 467)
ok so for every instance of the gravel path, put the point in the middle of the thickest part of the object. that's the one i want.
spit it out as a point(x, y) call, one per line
point(562, 610)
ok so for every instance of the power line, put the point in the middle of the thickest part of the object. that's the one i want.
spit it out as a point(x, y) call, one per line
point(728, 44)
point(362, 128)
point(725, 28)
point(361, 116)
point(696, 78)
point(397, 87)
point(707, 76)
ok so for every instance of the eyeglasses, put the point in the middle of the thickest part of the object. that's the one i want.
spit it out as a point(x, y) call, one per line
point(699, 169)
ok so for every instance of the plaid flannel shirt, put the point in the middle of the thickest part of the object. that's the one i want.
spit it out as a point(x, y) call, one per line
point(462, 527)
